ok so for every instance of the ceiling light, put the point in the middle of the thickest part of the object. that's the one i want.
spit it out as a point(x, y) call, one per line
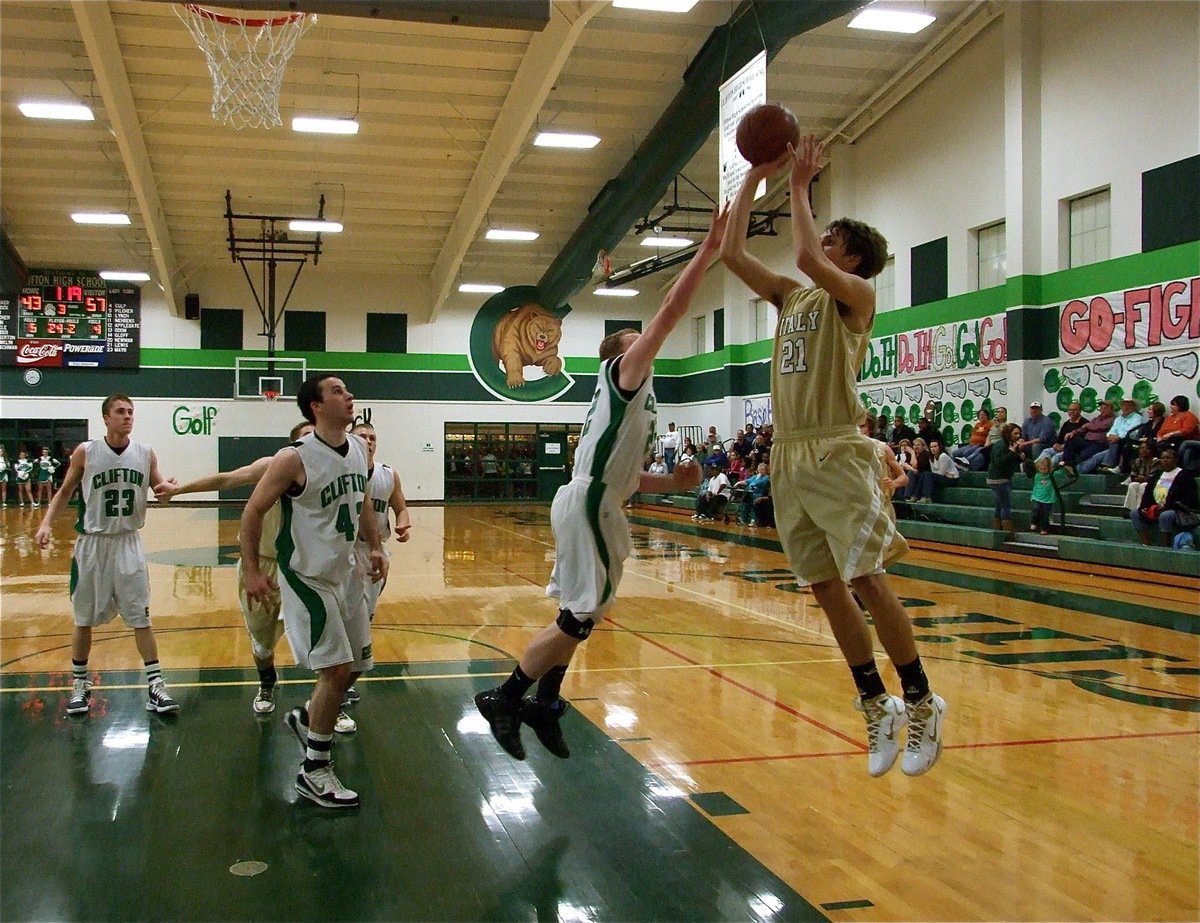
point(564, 139)
point(667, 243)
point(476, 288)
point(887, 20)
point(506, 234)
point(617, 292)
point(100, 218)
point(115, 275)
point(325, 126)
point(73, 112)
point(661, 6)
point(316, 227)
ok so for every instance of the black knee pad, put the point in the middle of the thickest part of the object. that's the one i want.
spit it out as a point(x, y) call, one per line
point(571, 626)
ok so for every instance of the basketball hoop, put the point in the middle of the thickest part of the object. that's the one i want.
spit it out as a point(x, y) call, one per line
point(270, 395)
point(246, 58)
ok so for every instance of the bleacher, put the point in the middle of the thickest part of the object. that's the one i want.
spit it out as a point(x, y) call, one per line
point(1097, 527)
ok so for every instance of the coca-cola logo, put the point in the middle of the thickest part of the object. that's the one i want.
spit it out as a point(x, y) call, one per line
point(30, 353)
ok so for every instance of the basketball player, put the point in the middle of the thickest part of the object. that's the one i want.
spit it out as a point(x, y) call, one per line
point(262, 620)
point(320, 481)
point(108, 569)
point(386, 494)
point(591, 533)
point(832, 515)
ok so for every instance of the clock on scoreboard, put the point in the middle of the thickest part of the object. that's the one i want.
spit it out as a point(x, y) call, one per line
point(71, 319)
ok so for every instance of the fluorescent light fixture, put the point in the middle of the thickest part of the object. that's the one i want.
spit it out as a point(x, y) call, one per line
point(476, 288)
point(325, 126)
point(316, 227)
point(71, 112)
point(565, 139)
point(100, 218)
point(667, 243)
point(660, 6)
point(878, 19)
point(617, 292)
point(506, 234)
point(117, 275)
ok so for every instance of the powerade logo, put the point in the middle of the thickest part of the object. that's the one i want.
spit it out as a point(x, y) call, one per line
point(514, 347)
point(94, 353)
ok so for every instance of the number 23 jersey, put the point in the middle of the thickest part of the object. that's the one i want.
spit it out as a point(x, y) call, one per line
point(316, 537)
point(114, 488)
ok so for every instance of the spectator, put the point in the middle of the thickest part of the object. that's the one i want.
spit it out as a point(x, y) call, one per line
point(1042, 499)
point(758, 505)
point(1037, 432)
point(1121, 439)
point(713, 496)
point(901, 431)
point(1143, 468)
point(943, 470)
point(1088, 441)
point(1157, 414)
point(920, 473)
point(1073, 421)
point(906, 456)
point(971, 454)
point(688, 454)
point(748, 439)
point(716, 457)
point(737, 466)
point(1003, 464)
point(670, 447)
point(713, 438)
point(658, 466)
point(1180, 425)
point(1170, 501)
point(1189, 455)
point(879, 429)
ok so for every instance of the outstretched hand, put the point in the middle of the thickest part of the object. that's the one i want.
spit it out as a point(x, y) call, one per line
point(716, 229)
point(808, 160)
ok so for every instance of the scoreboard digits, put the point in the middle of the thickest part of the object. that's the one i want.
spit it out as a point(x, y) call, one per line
point(65, 312)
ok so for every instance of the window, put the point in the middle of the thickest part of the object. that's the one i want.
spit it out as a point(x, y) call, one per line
point(304, 331)
point(885, 287)
point(387, 333)
point(701, 334)
point(1088, 228)
point(766, 316)
point(220, 328)
point(991, 261)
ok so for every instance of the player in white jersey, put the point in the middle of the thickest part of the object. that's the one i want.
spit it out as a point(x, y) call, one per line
point(386, 494)
point(108, 569)
point(320, 483)
point(263, 620)
point(833, 518)
point(591, 533)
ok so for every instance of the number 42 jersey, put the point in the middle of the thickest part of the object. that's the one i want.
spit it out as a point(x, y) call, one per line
point(114, 488)
point(316, 537)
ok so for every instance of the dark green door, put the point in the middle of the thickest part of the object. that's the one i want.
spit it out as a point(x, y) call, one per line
point(552, 464)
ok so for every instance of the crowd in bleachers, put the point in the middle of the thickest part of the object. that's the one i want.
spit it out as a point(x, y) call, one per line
point(1157, 452)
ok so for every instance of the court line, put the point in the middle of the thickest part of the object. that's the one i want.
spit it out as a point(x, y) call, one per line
point(253, 683)
point(723, 761)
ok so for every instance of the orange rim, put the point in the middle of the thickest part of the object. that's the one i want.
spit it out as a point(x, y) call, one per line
point(250, 23)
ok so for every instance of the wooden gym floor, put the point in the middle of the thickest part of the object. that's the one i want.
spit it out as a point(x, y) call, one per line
point(718, 768)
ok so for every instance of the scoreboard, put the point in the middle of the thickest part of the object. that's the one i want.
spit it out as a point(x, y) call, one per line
point(73, 319)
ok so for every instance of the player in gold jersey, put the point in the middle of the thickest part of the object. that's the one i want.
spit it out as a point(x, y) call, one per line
point(832, 515)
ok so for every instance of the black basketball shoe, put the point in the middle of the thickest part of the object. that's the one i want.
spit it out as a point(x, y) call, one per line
point(504, 718)
point(544, 718)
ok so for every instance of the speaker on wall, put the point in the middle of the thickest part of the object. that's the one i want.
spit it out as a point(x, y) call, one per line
point(191, 306)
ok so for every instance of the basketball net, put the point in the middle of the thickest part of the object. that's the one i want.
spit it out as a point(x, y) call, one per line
point(246, 58)
point(270, 395)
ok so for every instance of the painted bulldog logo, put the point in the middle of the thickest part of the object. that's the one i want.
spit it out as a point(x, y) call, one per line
point(527, 335)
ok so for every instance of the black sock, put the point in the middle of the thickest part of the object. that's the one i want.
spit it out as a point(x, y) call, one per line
point(516, 685)
point(912, 677)
point(868, 680)
point(550, 684)
point(268, 678)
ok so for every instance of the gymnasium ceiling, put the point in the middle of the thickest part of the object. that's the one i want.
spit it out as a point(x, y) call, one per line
point(444, 151)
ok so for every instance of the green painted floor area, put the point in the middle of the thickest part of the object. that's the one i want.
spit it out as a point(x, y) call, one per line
point(126, 815)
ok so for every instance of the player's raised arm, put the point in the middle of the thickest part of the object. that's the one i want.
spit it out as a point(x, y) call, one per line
point(245, 476)
point(72, 480)
point(638, 361)
point(851, 290)
point(284, 470)
point(764, 282)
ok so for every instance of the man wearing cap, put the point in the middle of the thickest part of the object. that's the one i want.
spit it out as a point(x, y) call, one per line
point(1121, 443)
point(1037, 433)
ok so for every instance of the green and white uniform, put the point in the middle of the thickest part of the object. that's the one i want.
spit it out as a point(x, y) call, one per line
point(383, 481)
point(46, 466)
point(591, 533)
point(263, 620)
point(108, 568)
point(324, 608)
point(23, 468)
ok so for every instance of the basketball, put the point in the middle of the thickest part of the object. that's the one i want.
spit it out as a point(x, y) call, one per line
point(765, 131)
